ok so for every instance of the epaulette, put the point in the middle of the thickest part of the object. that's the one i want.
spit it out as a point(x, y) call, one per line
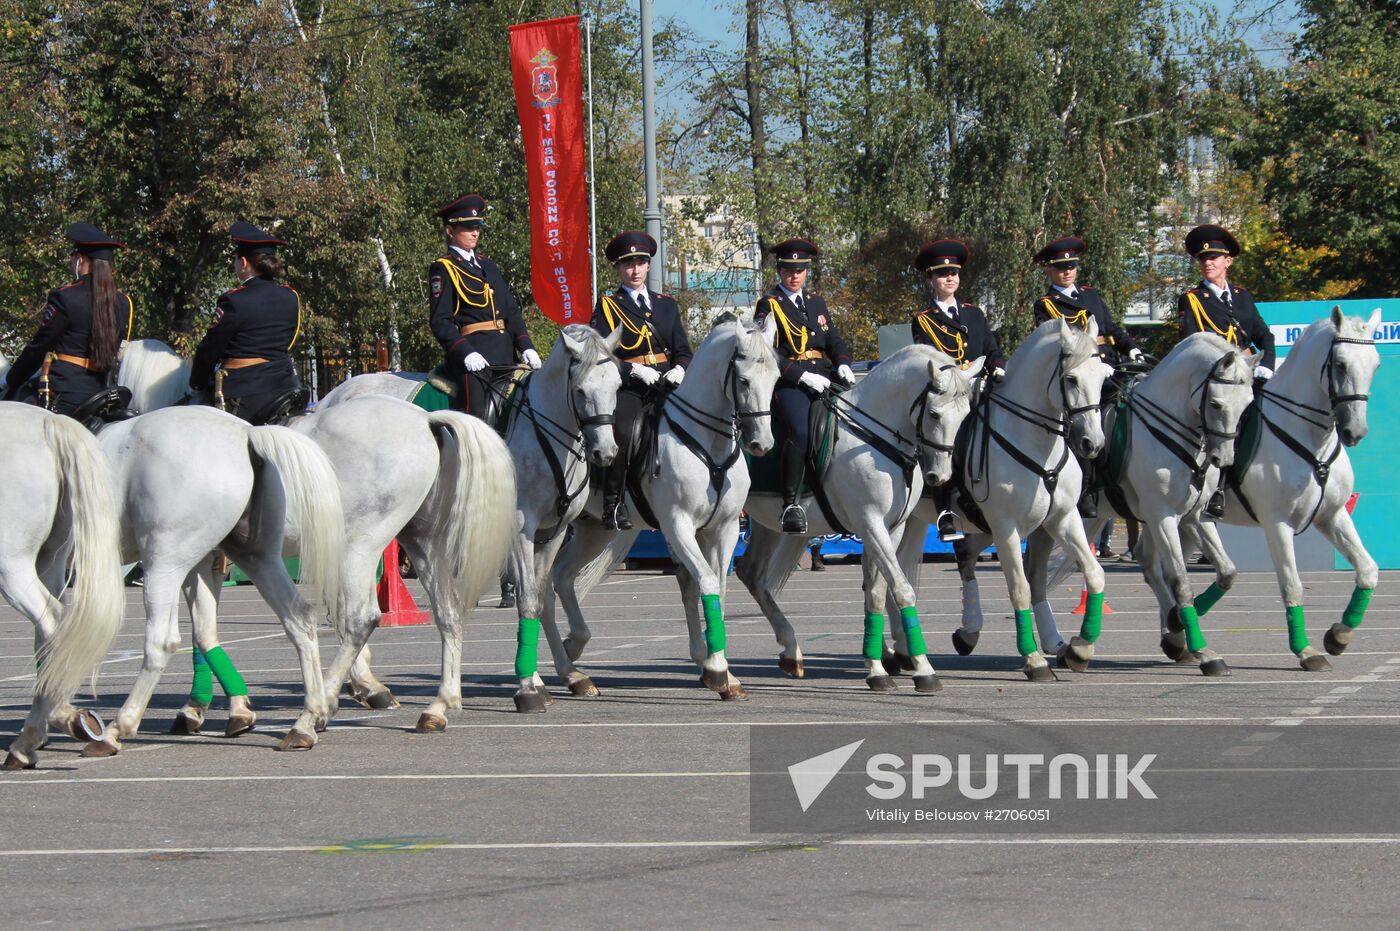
point(71, 285)
point(664, 294)
point(966, 304)
point(1240, 289)
point(1085, 287)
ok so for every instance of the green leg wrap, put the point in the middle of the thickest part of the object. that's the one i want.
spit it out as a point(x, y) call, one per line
point(1356, 608)
point(1093, 618)
point(874, 644)
point(1207, 599)
point(1297, 629)
point(714, 623)
point(527, 647)
point(202, 692)
point(229, 678)
point(1025, 633)
point(912, 631)
point(1195, 640)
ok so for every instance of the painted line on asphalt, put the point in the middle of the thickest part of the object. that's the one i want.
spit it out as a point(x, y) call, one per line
point(1296, 716)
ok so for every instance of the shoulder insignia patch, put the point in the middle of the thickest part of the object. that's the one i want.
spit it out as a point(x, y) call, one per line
point(437, 286)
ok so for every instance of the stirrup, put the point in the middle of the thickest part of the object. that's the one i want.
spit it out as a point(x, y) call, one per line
point(948, 530)
point(794, 519)
point(1215, 507)
point(616, 518)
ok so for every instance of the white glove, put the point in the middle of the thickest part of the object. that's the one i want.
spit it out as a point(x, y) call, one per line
point(813, 382)
point(675, 376)
point(1108, 370)
point(1264, 372)
point(1134, 355)
point(844, 373)
point(474, 362)
point(998, 372)
point(531, 358)
point(645, 374)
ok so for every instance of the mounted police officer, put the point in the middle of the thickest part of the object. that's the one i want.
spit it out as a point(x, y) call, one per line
point(254, 328)
point(1216, 306)
point(654, 348)
point(1075, 303)
point(957, 329)
point(472, 311)
point(811, 352)
point(83, 325)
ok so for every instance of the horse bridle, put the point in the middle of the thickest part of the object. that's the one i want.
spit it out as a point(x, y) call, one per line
point(1181, 432)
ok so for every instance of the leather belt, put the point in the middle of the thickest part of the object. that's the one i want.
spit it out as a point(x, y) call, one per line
point(809, 354)
point(497, 325)
point(649, 358)
point(82, 361)
point(242, 363)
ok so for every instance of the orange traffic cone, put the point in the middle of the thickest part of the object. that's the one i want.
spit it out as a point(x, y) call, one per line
point(396, 603)
point(1084, 591)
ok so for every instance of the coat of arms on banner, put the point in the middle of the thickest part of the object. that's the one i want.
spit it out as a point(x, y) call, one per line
point(544, 79)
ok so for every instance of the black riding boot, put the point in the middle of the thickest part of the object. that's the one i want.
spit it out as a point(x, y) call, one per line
point(615, 515)
point(1089, 503)
point(791, 468)
point(949, 527)
point(1215, 507)
point(818, 564)
point(507, 593)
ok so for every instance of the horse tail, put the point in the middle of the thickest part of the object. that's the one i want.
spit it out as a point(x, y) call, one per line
point(1060, 566)
point(602, 565)
point(86, 630)
point(475, 502)
point(313, 501)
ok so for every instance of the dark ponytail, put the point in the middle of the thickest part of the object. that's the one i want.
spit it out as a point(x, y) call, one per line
point(266, 265)
point(106, 332)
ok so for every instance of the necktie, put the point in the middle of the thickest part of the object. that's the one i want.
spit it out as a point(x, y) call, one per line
point(1073, 294)
point(797, 302)
point(952, 311)
point(471, 260)
point(642, 302)
point(1225, 297)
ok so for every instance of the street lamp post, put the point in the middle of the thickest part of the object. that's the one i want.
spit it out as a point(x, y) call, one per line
point(656, 277)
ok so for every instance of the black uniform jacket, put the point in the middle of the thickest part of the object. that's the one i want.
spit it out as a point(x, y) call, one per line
point(807, 340)
point(1240, 323)
point(651, 333)
point(65, 327)
point(1114, 341)
point(260, 320)
point(461, 296)
point(968, 340)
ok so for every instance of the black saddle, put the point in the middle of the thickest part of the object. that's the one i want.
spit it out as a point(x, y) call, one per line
point(282, 408)
point(502, 382)
point(107, 406)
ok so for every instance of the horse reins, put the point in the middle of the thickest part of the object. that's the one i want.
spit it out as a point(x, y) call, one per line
point(1180, 438)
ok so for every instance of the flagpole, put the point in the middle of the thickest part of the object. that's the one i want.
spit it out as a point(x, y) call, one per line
point(656, 277)
point(592, 181)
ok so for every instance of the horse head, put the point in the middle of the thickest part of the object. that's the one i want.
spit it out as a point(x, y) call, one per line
point(593, 379)
point(1082, 373)
point(752, 376)
point(1351, 366)
point(939, 413)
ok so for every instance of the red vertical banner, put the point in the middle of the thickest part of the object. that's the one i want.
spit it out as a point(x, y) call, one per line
point(545, 66)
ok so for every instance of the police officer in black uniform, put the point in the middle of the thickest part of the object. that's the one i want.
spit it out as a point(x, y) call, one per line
point(1216, 306)
point(254, 328)
point(472, 311)
point(959, 330)
point(811, 353)
point(1075, 303)
point(83, 324)
point(654, 348)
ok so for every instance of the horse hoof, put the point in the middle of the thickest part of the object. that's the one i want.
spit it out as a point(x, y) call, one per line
point(100, 748)
point(296, 740)
point(14, 761)
point(929, 684)
point(584, 688)
point(1333, 641)
point(1040, 673)
point(184, 725)
point(716, 680)
point(239, 724)
point(86, 726)
point(1215, 668)
point(965, 643)
point(1315, 663)
point(381, 701)
point(1174, 647)
point(1070, 660)
point(881, 684)
point(791, 666)
point(429, 723)
point(735, 692)
point(897, 663)
point(525, 703)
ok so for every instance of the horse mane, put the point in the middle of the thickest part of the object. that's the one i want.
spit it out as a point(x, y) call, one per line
point(1083, 347)
point(156, 374)
point(924, 354)
point(594, 347)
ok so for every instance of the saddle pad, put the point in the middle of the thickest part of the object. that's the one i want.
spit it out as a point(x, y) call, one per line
point(764, 475)
point(1251, 427)
point(431, 398)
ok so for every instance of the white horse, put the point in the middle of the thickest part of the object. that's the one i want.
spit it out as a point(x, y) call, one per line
point(1177, 424)
point(561, 424)
point(903, 415)
point(57, 502)
point(696, 489)
point(1018, 470)
point(192, 480)
point(1300, 476)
